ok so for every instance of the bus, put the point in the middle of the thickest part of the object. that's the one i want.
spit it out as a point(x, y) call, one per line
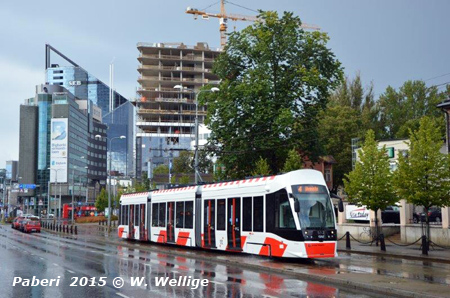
point(80, 211)
point(289, 215)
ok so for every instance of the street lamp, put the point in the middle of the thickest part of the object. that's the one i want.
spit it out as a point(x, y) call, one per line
point(213, 89)
point(109, 173)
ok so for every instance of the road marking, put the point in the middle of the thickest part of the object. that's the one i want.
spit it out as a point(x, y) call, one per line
point(55, 264)
point(70, 271)
point(122, 295)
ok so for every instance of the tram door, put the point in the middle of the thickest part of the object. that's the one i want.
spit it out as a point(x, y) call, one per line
point(131, 223)
point(170, 222)
point(209, 227)
point(234, 223)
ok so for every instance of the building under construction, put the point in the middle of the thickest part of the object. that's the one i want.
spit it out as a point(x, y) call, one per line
point(165, 112)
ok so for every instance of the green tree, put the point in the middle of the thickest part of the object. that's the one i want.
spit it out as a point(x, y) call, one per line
point(262, 168)
point(423, 177)
point(401, 111)
point(101, 202)
point(205, 165)
point(184, 179)
point(161, 169)
point(275, 78)
point(338, 125)
point(370, 183)
point(293, 161)
point(182, 163)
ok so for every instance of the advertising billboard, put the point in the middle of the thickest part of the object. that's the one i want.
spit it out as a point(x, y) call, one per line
point(59, 150)
point(353, 212)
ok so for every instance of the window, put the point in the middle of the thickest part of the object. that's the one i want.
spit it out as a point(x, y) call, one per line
point(180, 215)
point(221, 215)
point(247, 214)
point(188, 215)
point(155, 213)
point(328, 175)
point(278, 211)
point(136, 215)
point(258, 214)
point(162, 215)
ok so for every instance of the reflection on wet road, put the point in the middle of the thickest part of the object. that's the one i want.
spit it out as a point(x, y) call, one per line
point(51, 256)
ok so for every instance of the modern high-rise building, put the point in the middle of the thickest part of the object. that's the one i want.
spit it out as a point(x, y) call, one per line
point(165, 114)
point(11, 170)
point(58, 151)
point(118, 113)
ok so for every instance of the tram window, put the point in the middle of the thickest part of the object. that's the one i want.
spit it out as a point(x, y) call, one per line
point(142, 223)
point(180, 215)
point(162, 215)
point(188, 215)
point(258, 217)
point(125, 216)
point(278, 211)
point(155, 214)
point(136, 215)
point(247, 214)
point(221, 215)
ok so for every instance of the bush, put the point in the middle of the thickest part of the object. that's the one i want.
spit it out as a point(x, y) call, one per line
point(91, 219)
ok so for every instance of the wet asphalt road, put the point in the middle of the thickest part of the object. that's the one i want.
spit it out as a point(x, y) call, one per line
point(89, 257)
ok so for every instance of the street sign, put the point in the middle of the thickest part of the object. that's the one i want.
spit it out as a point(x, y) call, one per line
point(27, 186)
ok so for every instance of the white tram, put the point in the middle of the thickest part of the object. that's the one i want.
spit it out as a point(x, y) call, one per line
point(289, 215)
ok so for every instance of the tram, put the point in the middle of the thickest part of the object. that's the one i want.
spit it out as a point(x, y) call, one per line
point(289, 215)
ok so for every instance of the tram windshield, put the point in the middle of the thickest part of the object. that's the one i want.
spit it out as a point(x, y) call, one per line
point(316, 210)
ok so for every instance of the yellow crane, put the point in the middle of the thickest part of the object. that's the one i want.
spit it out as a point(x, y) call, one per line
point(224, 17)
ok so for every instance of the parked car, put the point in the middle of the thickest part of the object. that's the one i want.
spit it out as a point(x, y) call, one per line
point(434, 215)
point(391, 215)
point(48, 216)
point(22, 223)
point(15, 224)
point(32, 226)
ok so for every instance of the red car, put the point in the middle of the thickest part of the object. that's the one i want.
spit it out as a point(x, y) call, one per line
point(32, 226)
point(16, 222)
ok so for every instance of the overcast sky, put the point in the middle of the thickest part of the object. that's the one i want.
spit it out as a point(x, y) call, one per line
point(388, 41)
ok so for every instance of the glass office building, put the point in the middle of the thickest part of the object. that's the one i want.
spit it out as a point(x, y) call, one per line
point(120, 123)
point(119, 117)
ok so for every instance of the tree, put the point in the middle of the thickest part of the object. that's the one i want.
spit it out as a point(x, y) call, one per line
point(423, 176)
point(402, 110)
point(182, 163)
point(262, 168)
point(161, 169)
point(275, 78)
point(293, 161)
point(184, 179)
point(370, 183)
point(101, 202)
point(338, 125)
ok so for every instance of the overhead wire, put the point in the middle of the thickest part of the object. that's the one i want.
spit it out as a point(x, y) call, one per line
point(242, 6)
point(210, 5)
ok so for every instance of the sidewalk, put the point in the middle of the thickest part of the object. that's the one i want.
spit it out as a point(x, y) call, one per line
point(411, 252)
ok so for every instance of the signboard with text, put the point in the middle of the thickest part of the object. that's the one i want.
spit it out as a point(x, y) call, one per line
point(353, 212)
point(59, 150)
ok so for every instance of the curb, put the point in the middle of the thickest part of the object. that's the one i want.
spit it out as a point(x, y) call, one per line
point(393, 255)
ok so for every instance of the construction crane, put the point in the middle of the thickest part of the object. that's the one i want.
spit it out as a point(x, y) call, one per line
point(224, 17)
